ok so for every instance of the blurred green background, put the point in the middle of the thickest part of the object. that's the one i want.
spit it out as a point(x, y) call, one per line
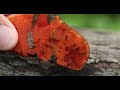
point(106, 22)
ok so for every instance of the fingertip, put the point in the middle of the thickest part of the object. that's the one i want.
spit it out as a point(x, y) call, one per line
point(8, 34)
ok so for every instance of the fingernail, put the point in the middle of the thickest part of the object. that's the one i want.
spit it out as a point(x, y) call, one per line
point(8, 37)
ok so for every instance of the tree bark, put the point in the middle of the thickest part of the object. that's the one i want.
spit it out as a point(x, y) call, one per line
point(104, 59)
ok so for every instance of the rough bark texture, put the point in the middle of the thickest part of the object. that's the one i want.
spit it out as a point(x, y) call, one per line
point(104, 59)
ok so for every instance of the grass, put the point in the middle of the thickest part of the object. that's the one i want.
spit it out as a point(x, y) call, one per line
point(105, 22)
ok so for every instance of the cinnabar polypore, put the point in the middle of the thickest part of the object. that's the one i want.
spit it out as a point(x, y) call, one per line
point(51, 39)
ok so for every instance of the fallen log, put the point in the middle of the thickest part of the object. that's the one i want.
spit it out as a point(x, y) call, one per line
point(104, 59)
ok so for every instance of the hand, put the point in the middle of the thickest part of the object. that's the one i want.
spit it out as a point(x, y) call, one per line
point(8, 34)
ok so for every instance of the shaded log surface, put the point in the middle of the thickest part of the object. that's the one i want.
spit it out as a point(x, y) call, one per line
point(104, 59)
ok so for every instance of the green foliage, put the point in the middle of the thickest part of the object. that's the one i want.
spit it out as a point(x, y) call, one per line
point(99, 21)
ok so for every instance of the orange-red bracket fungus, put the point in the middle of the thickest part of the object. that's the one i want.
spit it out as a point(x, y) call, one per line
point(51, 39)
